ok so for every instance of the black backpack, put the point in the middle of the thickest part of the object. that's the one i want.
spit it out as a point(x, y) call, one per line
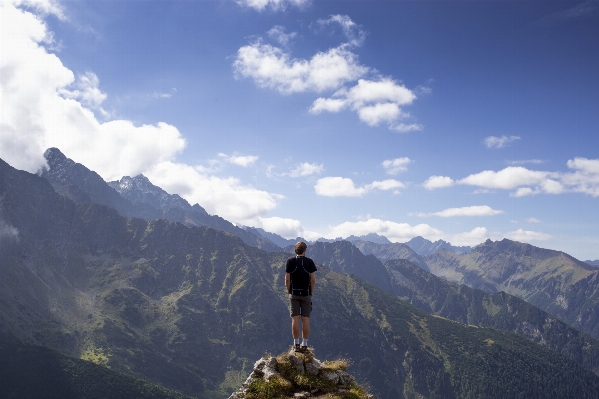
point(300, 279)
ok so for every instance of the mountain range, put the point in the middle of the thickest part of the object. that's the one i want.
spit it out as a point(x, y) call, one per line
point(551, 280)
point(190, 307)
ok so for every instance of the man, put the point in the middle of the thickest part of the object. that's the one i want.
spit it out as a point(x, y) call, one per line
point(300, 283)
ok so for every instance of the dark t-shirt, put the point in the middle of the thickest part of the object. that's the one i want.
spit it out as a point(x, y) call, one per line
point(299, 269)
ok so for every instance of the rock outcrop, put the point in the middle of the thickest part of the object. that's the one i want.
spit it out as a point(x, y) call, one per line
point(299, 375)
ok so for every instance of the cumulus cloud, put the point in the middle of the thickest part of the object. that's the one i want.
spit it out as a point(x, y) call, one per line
point(275, 5)
point(499, 142)
point(42, 105)
point(241, 160)
point(527, 236)
point(533, 220)
point(286, 228)
point(227, 197)
point(351, 30)
point(306, 169)
point(270, 67)
point(338, 187)
point(345, 187)
point(375, 102)
point(86, 90)
point(470, 238)
point(434, 182)
point(583, 178)
point(397, 165)
point(477, 210)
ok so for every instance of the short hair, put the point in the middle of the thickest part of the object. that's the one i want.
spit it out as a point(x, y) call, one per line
point(300, 247)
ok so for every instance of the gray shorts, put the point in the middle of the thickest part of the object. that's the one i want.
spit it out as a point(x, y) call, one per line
point(300, 305)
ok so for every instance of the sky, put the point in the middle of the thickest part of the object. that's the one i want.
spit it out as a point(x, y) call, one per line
point(455, 120)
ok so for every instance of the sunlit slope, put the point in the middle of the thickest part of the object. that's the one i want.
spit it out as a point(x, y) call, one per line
point(550, 280)
point(192, 308)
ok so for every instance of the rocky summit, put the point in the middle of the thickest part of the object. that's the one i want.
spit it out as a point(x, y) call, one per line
point(300, 375)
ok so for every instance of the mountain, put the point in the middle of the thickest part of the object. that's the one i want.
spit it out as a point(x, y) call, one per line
point(135, 197)
point(31, 372)
point(190, 308)
point(457, 302)
point(275, 238)
point(385, 252)
point(551, 280)
point(424, 247)
point(372, 237)
point(593, 262)
point(499, 310)
point(344, 257)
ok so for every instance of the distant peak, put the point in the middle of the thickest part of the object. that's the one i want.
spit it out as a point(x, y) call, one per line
point(54, 154)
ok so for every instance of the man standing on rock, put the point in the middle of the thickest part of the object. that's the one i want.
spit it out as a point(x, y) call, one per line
point(300, 283)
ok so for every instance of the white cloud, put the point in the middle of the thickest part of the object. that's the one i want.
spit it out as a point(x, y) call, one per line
point(533, 220)
point(352, 32)
point(397, 165)
point(499, 142)
point(506, 179)
point(527, 236)
point(86, 90)
point(434, 182)
point(36, 115)
point(270, 67)
point(338, 187)
point(306, 169)
point(477, 210)
point(375, 102)
point(275, 5)
point(278, 33)
point(395, 232)
point(470, 238)
point(345, 187)
point(584, 178)
point(226, 197)
point(287, 228)
point(385, 185)
point(241, 160)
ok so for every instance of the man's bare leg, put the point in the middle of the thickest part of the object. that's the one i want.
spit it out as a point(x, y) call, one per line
point(305, 329)
point(295, 327)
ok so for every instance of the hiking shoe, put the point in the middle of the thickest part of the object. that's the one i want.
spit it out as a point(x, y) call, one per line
point(304, 349)
point(297, 348)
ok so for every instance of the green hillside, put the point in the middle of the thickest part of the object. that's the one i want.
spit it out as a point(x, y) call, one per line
point(33, 372)
point(551, 280)
point(192, 308)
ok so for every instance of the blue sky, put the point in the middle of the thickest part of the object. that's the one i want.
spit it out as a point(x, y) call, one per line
point(452, 120)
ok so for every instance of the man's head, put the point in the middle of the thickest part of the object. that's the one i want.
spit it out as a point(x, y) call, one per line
point(300, 248)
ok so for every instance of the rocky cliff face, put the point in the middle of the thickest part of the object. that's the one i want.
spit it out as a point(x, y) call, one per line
point(135, 197)
point(299, 375)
